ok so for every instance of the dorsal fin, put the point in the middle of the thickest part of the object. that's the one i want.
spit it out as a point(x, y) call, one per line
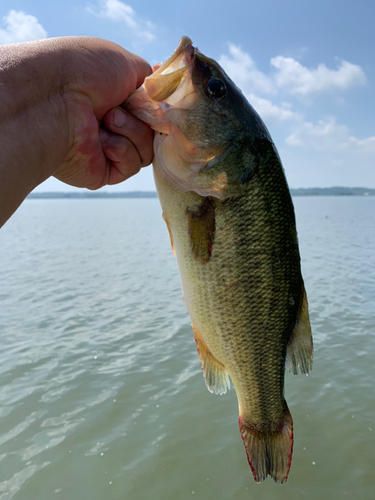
point(299, 356)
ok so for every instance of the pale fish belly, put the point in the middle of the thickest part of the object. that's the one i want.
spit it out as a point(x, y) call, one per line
point(218, 298)
point(238, 295)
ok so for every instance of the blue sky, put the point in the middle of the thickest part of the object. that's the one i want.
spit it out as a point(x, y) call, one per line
point(306, 66)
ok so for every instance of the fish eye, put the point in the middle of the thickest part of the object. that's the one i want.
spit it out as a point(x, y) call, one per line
point(216, 88)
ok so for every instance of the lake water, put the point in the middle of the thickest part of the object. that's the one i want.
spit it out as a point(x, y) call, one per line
point(101, 391)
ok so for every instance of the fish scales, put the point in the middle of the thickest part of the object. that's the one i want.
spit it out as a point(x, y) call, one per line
point(231, 221)
point(256, 280)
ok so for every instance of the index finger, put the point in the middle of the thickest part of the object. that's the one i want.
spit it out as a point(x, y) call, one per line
point(121, 122)
point(104, 71)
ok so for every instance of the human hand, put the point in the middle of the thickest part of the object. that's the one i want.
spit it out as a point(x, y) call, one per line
point(107, 144)
point(61, 115)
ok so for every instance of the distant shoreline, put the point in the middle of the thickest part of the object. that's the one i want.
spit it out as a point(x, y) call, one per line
point(332, 191)
point(92, 194)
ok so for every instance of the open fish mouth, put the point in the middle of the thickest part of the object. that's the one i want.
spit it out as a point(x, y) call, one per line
point(169, 86)
point(167, 77)
point(166, 101)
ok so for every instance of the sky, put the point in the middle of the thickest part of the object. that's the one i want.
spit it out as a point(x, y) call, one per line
point(307, 67)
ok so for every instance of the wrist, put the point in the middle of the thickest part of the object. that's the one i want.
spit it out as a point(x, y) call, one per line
point(32, 115)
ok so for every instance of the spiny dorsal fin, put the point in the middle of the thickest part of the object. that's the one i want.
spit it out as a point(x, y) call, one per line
point(299, 355)
point(201, 227)
point(215, 374)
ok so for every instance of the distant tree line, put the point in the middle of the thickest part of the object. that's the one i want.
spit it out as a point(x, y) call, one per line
point(332, 191)
point(95, 194)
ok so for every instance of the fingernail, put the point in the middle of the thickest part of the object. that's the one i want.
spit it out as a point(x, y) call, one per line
point(119, 118)
point(103, 135)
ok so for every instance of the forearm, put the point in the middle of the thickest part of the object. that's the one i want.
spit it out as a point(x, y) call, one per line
point(32, 116)
point(55, 96)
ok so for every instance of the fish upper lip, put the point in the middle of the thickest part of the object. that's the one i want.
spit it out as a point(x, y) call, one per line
point(185, 47)
point(163, 83)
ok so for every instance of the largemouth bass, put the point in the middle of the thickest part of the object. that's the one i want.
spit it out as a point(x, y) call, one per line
point(231, 222)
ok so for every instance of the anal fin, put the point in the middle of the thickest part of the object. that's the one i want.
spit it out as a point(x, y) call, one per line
point(299, 357)
point(215, 374)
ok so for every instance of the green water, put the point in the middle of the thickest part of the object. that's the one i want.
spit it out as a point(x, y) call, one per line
point(101, 392)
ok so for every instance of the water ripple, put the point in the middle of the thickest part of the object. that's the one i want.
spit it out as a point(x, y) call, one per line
point(101, 391)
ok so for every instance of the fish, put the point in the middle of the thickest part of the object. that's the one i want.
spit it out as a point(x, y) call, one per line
point(231, 222)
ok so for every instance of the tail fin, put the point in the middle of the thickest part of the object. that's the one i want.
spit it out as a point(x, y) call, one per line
point(269, 447)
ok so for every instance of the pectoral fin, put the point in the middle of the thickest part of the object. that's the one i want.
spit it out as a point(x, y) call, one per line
point(170, 233)
point(215, 374)
point(300, 347)
point(201, 227)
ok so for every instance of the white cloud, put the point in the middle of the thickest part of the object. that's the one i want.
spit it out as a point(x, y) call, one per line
point(21, 27)
point(243, 71)
point(297, 79)
point(367, 144)
point(123, 13)
point(288, 75)
point(323, 134)
point(241, 68)
point(271, 112)
point(326, 134)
